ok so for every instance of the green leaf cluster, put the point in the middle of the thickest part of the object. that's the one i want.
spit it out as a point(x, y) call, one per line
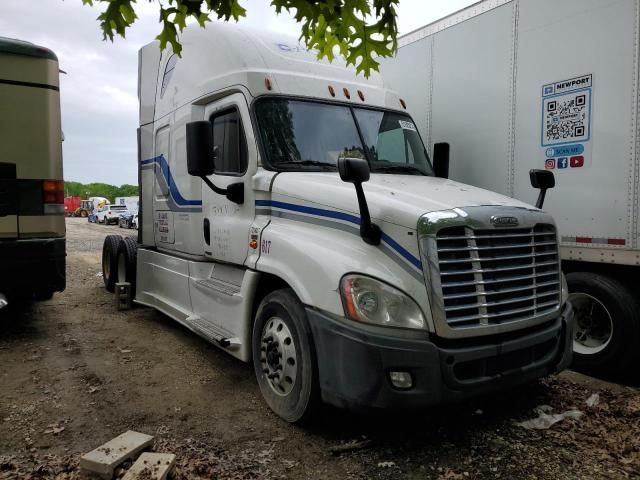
point(360, 30)
point(77, 189)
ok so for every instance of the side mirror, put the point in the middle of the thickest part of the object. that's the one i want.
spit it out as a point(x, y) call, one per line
point(356, 171)
point(544, 180)
point(200, 159)
point(441, 159)
point(353, 170)
point(200, 148)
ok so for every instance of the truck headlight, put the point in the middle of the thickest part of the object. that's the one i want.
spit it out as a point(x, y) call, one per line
point(565, 290)
point(372, 301)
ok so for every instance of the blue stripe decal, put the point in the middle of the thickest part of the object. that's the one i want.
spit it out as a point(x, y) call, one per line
point(403, 252)
point(173, 188)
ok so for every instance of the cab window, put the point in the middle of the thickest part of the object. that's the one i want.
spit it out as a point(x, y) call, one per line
point(229, 143)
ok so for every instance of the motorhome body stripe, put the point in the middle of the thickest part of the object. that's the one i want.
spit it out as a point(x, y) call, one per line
point(337, 218)
point(163, 174)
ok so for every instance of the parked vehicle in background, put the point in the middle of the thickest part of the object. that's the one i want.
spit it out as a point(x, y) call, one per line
point(128, 220)
point(96, 203)
point(71, 205)
point(132, 203)
point(290, 215)
point(110, 214)
point(32, 225)
point(496, 81)
point(84, 209)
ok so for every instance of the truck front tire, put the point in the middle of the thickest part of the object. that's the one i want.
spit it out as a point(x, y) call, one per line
point(607, 323)
point(284, 359)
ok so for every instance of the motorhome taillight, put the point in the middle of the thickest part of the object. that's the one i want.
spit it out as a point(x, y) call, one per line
point(53, 192)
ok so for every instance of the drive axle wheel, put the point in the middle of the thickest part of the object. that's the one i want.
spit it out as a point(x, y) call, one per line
point(284, 358)
point(607, 323)
point(110, 261)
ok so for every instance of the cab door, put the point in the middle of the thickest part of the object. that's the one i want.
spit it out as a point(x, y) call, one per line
point(226, 224)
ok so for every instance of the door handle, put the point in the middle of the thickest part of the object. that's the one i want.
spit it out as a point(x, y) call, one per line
point(206, 230)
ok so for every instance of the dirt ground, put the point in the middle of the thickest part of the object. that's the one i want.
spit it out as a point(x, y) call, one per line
point(75, 372)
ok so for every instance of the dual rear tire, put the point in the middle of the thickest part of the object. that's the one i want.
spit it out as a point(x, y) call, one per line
point(119, 258)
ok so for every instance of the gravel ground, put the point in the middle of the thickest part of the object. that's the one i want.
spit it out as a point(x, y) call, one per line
point(76, 372)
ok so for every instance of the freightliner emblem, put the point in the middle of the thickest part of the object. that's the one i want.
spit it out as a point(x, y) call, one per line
point(500, 221)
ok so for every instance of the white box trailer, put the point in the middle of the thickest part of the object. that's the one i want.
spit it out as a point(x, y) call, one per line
point(289, 214)
point(132, 203)
point(519, 84)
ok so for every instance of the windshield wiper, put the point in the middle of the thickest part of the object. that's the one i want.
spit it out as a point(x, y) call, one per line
point(308, 163)
point(400, 169)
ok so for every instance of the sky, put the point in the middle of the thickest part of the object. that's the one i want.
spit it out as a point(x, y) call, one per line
point(99, 90)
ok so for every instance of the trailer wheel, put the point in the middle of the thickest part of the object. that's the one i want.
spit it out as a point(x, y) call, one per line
point(110, 261)
point(284, 359)
point(607, 322)
point(127, 261)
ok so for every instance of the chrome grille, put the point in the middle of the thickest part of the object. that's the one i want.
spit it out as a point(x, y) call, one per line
point(491, 277)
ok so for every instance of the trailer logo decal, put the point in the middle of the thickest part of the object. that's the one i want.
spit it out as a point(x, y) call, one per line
point(566, 122)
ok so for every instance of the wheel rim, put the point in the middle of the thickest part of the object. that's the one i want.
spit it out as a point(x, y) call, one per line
point(278, 356)
point(122, 268)
point(594, 324)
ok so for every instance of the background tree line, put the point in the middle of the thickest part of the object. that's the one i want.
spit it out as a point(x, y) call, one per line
point(86, 190)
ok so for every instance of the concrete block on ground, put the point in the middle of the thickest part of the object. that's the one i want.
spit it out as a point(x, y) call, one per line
point(103, 460)
point(151, 466)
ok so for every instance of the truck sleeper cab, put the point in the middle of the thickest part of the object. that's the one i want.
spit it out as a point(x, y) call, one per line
point(289, 214)
point(32, 225)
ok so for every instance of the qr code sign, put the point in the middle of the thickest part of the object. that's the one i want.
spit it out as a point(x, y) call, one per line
point(566, 118)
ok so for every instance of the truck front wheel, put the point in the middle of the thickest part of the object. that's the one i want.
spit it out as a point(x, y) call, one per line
point(283, 357)
point(607, 322)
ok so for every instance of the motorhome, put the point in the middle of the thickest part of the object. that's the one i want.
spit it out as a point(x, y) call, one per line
point(32, 225)
point(553, 84)
point(290, 215)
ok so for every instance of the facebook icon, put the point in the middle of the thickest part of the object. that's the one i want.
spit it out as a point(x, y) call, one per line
point(563, 162)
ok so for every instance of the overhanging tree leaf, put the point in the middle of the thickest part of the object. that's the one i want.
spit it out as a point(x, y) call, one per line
point(361, 30)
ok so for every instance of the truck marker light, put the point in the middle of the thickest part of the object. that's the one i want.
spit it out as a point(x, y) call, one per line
point(352, 311)
point(332, 91)
point(403, 103)
point(616, 241)
point(253, 244)
point(346, 93)
point(361, 95)
point(267, 83)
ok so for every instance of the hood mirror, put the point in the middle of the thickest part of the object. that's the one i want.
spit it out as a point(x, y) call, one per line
point(356, 171)
point(544, 180)
point(441, 159)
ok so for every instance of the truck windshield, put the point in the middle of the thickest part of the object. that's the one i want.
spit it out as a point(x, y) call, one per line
point(304, 135)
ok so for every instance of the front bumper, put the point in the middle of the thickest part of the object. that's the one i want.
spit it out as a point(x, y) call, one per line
point(354, 363)
point(32, 266)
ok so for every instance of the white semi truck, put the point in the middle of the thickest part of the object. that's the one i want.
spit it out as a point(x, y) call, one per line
point(32, 225)
point(519, 84)
point(290, 215)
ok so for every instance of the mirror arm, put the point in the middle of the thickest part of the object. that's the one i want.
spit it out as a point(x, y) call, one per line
point(541, 195)
point(218, 190)
point(369, 232)
point(234, 194)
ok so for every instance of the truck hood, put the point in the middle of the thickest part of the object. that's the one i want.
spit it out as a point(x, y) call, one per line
point(397, 199)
